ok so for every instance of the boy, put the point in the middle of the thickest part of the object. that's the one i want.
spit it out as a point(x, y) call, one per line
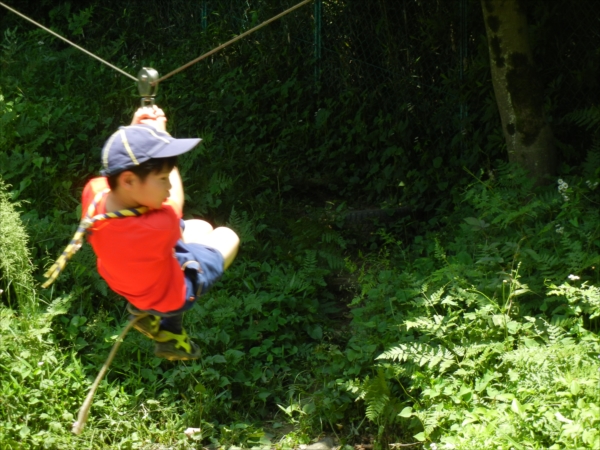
point(145, 252)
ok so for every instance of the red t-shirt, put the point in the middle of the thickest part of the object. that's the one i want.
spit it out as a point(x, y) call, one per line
point(135, 254)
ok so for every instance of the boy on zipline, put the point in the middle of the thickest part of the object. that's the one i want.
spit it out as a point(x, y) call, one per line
point(145, 251)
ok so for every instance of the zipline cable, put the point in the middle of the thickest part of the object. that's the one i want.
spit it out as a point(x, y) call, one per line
point(69, 42)
point(185, 66)
point(237, 38)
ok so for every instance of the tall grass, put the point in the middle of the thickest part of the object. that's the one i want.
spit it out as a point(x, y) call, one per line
point(16, 281)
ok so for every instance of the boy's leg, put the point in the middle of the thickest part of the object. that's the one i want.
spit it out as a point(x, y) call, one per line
point(222, 239)
point(172, 342)
point(194, 229)
point(148, 326)
point(174, 323)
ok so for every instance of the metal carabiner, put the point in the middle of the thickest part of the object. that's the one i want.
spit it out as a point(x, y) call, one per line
point(147, 85)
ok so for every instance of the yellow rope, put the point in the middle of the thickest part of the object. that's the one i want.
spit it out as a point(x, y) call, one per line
point(77, 241)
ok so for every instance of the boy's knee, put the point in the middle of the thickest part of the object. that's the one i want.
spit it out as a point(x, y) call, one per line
point(227, 242)
point(194, 229)
point(227, 235)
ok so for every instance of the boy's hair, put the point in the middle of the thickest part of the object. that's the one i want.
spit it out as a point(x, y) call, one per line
point(144, 169)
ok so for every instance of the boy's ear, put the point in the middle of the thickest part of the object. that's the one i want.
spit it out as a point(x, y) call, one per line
point(127, 179)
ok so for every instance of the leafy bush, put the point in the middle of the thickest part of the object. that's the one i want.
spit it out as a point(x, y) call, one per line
point(471, 348)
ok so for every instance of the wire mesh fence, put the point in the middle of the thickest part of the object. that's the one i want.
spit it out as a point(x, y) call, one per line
point(418, 53)
point(425, 58)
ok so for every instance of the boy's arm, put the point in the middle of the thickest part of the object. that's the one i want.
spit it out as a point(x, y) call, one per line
point(176, 191)
point(150, 115)
point(153, 115)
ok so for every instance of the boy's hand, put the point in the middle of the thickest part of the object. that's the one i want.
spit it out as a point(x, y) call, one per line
point(150, 115)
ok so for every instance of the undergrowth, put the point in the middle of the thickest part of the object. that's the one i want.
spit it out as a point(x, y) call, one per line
point(480, 333)
point(491, 335)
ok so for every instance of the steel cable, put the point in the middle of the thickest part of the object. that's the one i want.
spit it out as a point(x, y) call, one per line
point(237, 38)
point(185, 66)
point(69, 42)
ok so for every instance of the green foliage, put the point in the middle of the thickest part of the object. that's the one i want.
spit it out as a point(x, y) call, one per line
point(480, 352)
point(580, 300)
point(16, 281)
point(462, 329)
point(588, 118)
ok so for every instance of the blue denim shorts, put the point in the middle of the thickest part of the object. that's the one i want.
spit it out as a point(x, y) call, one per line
point(202, 266)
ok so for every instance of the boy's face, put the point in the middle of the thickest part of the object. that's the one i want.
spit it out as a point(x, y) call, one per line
point(153, 191)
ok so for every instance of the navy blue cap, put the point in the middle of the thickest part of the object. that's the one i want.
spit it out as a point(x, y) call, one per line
point(132, 145)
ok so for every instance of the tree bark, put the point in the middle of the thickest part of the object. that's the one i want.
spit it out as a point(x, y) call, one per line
point(518, 91)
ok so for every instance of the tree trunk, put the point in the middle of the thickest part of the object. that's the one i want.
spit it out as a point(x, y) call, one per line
point(519, 94)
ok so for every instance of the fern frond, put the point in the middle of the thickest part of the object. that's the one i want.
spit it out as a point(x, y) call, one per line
point(334, 260)
point(377, 395)
point(242, 225)
point(588, 118)
point(309, 262)
point(219, 182)
point(422, 354)
point(439, 251)
point(592, 162)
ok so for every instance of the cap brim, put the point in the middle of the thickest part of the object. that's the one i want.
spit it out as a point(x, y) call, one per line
point(177, 147)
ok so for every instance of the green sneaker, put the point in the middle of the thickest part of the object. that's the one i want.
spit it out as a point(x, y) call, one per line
point(175, 347)
point(149, 325)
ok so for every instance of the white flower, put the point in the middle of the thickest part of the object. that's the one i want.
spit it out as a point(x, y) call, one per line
point(189, 432)
point(591, 185)
point(41, 363)
point(559, 229)
point(562, 188)
point(573, 277)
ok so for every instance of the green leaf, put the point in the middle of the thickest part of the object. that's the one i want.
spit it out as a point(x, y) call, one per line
point(406, 412)
point(575, 387)
point(420, 436)
point(562, 418)
point(24, 432)
point(216, 359)
point(517, 407)
point(476, 223)
point(513, 327)
point(224, 337)
point(315, 332)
